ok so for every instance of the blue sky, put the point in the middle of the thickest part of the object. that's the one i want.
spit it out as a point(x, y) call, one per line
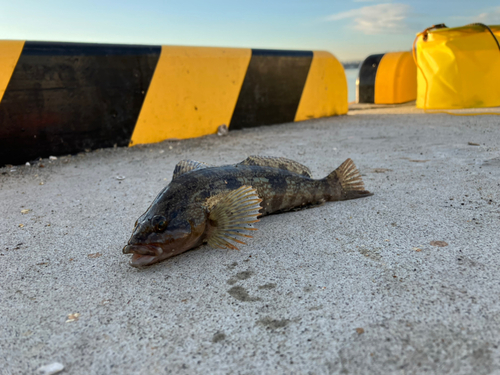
point(349, 29)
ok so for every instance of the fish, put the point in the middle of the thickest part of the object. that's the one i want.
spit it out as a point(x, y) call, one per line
point(218, 205)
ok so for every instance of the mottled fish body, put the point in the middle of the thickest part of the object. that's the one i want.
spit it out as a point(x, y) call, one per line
point(217, 205)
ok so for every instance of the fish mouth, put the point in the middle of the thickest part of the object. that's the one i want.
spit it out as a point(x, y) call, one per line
point(143, 255)
point(143, 249)
point(139, 260)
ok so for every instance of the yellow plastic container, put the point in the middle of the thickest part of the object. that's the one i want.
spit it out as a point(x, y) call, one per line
point(458, 68)
point(396, 79)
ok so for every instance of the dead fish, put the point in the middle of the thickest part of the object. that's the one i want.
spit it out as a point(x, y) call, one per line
point(218, 205)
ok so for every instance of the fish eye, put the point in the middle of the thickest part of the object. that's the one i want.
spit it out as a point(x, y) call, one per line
point(159, 223)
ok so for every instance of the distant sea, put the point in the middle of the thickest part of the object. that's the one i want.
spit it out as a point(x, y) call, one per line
point(351, 75)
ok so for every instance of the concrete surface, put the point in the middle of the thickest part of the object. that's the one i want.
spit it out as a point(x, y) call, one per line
point(349, 287)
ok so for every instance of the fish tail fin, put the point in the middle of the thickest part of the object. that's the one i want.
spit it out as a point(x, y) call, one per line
point(347, 179)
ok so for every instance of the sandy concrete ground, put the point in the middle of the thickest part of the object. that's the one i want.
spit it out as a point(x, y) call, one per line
point(348, 287)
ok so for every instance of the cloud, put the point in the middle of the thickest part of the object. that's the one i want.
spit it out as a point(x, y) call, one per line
point(490, 18)
point(377, 19)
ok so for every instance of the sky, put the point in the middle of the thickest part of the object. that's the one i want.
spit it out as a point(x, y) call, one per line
point(350, 29)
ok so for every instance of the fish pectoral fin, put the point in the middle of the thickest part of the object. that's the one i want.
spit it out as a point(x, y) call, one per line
point(233, 214)
point(278, 162)
point(185, 166)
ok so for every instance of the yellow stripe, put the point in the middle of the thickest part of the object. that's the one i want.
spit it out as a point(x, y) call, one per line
point(396, 79)
point(10, 50)
point(325, 91)
point(193, 91)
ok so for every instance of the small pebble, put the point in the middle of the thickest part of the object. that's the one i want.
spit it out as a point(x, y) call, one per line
point(222, 130)
point(28, 164)
point(73, 317)
point(50, 369)
point(440, 243)
point(52, 158)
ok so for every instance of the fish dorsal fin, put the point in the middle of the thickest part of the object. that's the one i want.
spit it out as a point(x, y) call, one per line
point(185, 166)
point(231, 214)
point(278, 162)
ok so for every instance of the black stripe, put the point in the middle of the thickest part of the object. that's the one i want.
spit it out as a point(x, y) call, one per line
point(84, 49)
point(367, 74)
point(67, 97)
point(277, 52)
point(272, 88)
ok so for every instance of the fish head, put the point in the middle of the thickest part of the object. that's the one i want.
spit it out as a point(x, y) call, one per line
point(158, 236)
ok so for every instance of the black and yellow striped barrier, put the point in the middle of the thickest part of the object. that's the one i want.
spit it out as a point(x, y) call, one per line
point(389, 78)
point(60, 98)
